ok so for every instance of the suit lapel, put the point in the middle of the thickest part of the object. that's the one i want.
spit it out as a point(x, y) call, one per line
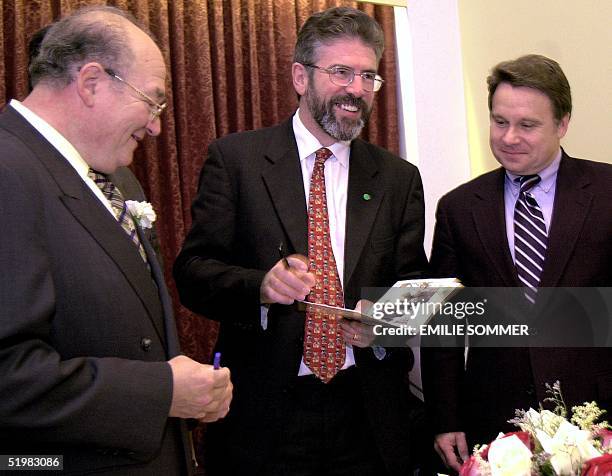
point(572, 203)
point(285, 185)
point(92, 215)
point(173, 344)
point(117, 245)
point(364, 197)
point(283, 180)
point(490, 222)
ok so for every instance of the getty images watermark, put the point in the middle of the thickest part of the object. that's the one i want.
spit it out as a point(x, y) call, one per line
point(490, 317)
point(419, 311)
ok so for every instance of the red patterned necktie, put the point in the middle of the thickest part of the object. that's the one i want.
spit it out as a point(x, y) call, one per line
point(324, 348)
point(114, 196)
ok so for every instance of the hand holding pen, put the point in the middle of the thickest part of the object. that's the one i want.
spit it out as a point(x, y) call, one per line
point(199, 391)
point(288, 280)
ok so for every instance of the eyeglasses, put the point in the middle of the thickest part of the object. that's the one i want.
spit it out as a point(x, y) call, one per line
point(343, 76)
point(154, 107)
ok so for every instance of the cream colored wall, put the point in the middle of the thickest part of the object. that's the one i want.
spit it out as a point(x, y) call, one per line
point(577, 34)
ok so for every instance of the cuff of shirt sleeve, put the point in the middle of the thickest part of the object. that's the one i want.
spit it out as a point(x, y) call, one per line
point(264, 317)
point(379, 352)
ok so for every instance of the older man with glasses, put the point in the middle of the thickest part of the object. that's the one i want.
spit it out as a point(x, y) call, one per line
point(92, 380)
point(155, 108)
point(312, 395)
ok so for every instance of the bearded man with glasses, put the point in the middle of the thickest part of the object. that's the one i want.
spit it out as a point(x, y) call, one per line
point(312, 395)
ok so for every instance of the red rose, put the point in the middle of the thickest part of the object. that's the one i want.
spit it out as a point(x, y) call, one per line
point(600, 466)
point(606, 438)
point(470, 467)
point(521, 435)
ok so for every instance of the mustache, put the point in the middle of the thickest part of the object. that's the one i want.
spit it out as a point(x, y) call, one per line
point(350, 100)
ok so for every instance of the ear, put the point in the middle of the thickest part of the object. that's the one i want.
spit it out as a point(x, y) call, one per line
point(562, 126)
point(88, 82)
point(300, 78)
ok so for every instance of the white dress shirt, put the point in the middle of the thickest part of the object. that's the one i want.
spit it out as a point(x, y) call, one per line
point(544, 193)
point(64, 147)
point(336, 187)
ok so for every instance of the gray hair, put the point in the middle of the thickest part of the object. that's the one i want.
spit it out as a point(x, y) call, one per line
point(80, 38)
point(335, 23)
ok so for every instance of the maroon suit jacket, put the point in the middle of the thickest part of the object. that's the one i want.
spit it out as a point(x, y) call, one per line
point(470, 243)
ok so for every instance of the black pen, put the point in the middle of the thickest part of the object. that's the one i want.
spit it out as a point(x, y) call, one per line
point(283, 256)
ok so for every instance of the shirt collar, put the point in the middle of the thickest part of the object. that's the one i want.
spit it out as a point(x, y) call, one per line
point(308, 144)
point(52, 135)
point(548, 177)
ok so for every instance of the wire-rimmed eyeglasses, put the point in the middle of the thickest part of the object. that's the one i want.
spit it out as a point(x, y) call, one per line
point(343, 76)
point(154, 107)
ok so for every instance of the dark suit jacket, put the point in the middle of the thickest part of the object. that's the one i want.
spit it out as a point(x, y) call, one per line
point(251, 198)
point(84, 329)
point(470, 243)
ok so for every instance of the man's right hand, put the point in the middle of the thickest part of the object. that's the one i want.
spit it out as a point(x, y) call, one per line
point(199, 391)
point(284, 284)
point(445, 445)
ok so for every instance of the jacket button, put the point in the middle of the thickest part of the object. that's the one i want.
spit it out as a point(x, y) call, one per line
point(146, 344)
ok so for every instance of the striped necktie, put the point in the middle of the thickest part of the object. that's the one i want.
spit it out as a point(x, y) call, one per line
point(530, 237)
point(114, 196)
point(324, 348)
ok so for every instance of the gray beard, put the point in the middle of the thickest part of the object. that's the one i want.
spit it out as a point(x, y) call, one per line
point(324, 115)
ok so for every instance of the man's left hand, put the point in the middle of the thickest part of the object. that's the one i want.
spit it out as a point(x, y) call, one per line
point(355, 333)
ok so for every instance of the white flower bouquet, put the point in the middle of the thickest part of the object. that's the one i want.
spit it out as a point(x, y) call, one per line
point(550, 443)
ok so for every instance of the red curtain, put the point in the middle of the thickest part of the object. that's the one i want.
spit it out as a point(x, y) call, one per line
point(229, 64)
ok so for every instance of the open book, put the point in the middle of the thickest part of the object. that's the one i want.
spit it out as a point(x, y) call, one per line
point(410, 302)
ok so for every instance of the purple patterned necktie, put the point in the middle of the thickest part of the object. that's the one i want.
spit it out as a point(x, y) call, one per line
point(530, 237)
point(114, 196)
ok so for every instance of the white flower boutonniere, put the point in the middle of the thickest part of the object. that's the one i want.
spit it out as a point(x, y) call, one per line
point(142, 212)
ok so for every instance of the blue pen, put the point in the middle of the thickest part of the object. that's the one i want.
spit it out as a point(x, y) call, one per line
point(217, 361)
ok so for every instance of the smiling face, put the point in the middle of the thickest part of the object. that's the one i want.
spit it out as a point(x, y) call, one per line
point(524, 135)
point(331, 112)
point(126, 117)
